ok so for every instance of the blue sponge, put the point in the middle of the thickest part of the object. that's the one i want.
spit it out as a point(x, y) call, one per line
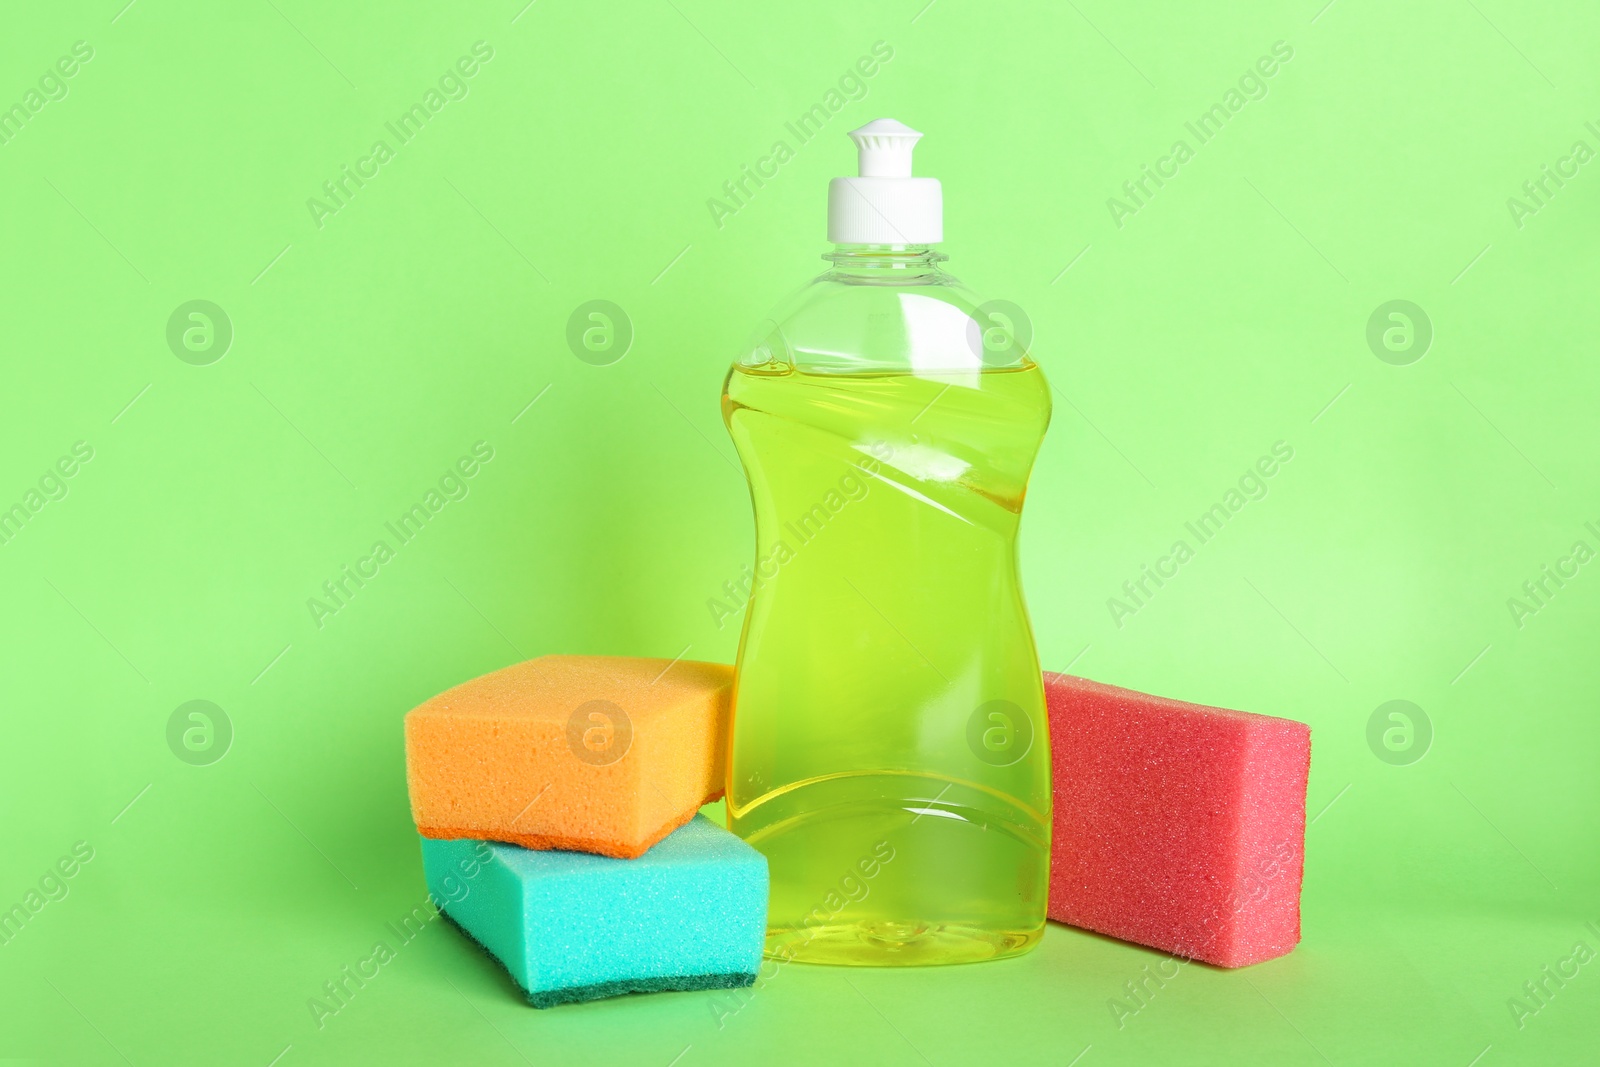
point(691, 913)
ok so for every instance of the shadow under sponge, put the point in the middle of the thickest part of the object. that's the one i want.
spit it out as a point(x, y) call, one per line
point(691, 913)
point(1176, 825)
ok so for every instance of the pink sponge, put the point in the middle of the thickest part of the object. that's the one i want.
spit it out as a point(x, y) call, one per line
point(1177, 826)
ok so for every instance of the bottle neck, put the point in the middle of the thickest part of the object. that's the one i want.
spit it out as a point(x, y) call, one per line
point(894, 264)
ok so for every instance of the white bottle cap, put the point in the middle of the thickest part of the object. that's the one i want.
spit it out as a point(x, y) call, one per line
point(885, 205)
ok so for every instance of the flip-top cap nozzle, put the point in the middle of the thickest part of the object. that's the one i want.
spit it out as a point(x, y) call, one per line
point(885, 205)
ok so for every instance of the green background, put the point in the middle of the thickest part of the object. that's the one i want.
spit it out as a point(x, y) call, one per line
point(368, 354)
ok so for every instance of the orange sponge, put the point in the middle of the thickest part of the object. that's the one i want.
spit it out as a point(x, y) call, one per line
point(594, 753)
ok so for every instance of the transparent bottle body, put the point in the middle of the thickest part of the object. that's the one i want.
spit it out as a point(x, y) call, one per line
point(889, 752)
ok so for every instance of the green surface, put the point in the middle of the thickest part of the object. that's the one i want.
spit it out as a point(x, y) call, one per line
point(1228, 312)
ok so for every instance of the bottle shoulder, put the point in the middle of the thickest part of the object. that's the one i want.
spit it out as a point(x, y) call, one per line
point(846, 323)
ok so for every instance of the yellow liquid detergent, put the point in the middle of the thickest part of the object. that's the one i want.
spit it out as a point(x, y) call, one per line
point(889, 750)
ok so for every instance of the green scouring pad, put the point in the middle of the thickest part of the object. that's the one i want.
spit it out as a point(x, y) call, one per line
point(690, 913)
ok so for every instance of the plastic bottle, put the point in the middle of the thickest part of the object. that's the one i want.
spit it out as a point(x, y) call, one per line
point(889, 748)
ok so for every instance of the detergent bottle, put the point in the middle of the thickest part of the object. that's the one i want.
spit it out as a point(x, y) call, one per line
point(889, 752)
